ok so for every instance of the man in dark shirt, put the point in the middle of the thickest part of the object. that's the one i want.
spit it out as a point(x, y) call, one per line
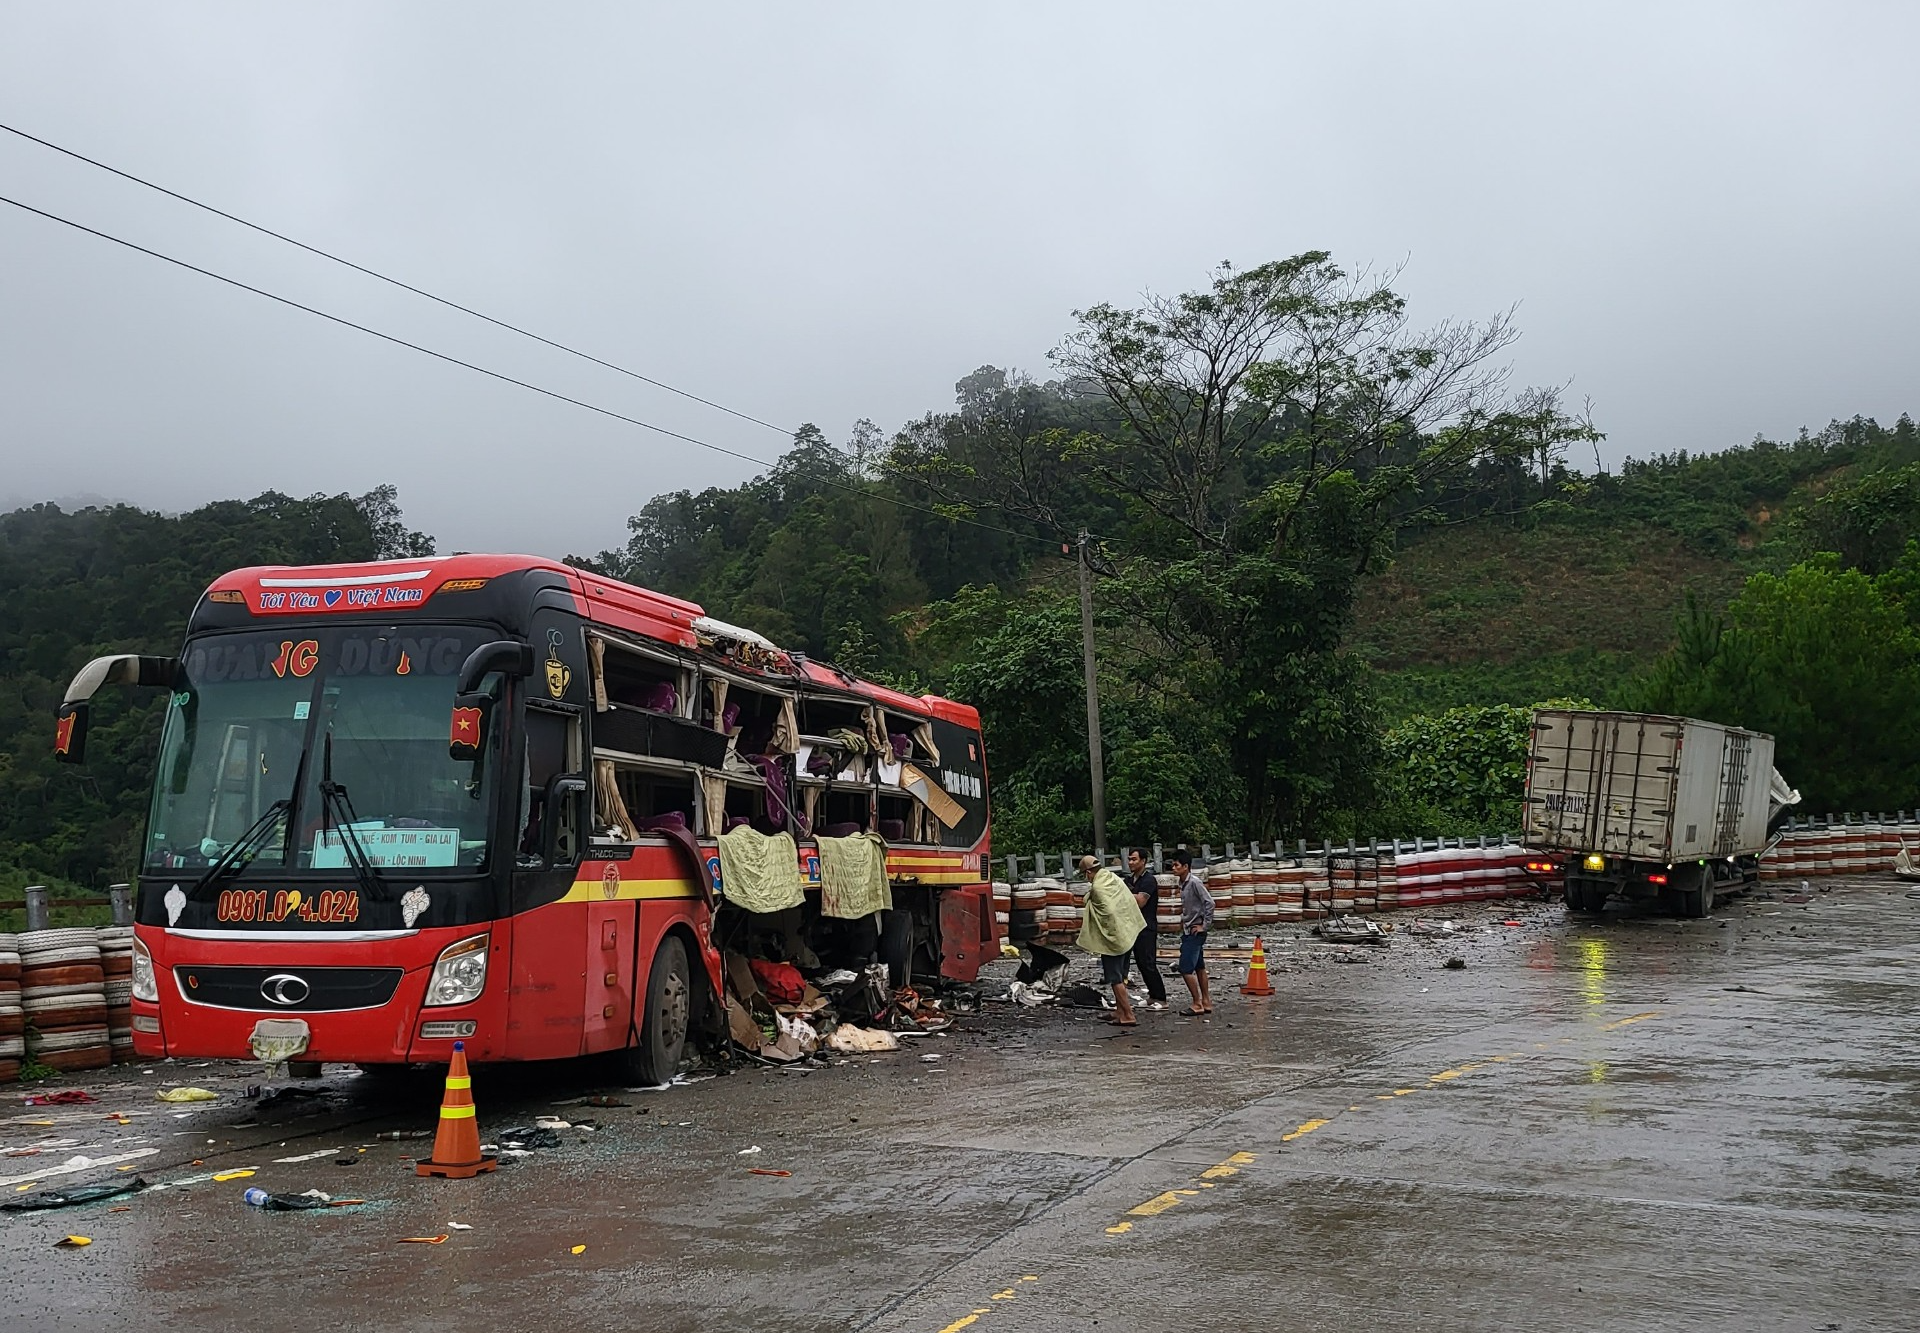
point(1146, 892)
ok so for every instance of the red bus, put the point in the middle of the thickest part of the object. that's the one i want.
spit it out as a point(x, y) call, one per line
point(490, 798)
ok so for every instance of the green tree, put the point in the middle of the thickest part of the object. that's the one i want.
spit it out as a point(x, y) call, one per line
point(1824, 658)
point(1262, 439)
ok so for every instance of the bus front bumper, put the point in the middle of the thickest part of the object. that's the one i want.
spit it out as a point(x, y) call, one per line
point(320, 1001)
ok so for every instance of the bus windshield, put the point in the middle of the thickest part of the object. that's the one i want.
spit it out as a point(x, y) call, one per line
point(320, 747)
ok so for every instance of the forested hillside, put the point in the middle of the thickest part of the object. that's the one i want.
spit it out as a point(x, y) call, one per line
point(1335, 559)
point(123, 579)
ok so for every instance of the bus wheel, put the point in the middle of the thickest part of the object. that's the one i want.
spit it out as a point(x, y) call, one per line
point(663, 1027)
point(896, 947)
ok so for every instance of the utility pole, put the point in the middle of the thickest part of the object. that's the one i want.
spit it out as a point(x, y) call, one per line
point(1094, 761)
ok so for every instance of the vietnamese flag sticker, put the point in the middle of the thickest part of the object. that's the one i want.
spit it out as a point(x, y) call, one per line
point(466, 726)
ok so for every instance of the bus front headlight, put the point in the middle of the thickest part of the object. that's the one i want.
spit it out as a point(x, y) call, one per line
point(144, 986)
point(460, 973)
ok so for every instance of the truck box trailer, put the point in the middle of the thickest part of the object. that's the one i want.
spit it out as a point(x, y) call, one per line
point(1650, 805)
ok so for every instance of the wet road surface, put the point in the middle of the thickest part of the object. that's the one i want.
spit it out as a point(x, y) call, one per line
point(1627, 1123)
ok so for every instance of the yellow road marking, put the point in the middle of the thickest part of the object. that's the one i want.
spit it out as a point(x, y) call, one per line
point(1306, 1128)
point(1120, 1228)
point(1159, 1203)
point(1005, 1295)
point(1230, 1167)
point(1623, 1022)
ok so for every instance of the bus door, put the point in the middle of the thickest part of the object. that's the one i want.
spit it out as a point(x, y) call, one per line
point(549, 985)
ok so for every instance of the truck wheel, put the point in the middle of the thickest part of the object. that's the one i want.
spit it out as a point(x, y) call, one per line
point(663, 1025)
point(1697, 902)
point(1584, 897)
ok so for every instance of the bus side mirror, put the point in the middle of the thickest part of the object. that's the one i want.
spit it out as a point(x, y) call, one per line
point(131, 669)
point(506, 656)
point(467, 732)
point(562, 810)
point(70, 734)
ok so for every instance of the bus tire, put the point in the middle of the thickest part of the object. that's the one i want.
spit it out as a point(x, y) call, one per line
point(896, 946)
point(664, 1022)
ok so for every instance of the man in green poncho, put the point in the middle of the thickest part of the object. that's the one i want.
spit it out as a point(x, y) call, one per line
point(1113, 922)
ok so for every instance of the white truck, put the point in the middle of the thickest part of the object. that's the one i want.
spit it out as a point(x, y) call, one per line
point(1650, 806)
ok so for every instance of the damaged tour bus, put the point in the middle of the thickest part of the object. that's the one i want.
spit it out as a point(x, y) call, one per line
point(503, 800)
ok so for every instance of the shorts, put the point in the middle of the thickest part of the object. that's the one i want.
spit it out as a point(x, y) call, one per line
point(1193, 954)
point(1113, 967)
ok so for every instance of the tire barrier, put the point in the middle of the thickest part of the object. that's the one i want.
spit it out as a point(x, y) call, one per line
point(1848, 844)
point(116, 967)
point(13, 1019)
point(63, 998)
point(66, 999)
point(1271, 889)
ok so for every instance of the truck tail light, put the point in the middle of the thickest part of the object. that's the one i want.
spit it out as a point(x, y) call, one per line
point(1656, 879)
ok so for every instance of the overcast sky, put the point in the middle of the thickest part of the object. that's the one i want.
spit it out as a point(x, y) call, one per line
point(1706, 214)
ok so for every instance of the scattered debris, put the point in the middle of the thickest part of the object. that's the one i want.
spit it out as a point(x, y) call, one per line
point(240, 1174)
point(46, 1199)
point(1455, 964)
point(186, 1095)
point(70, 1097)
point(578, 1249)
point(440, 1239)
point(285, 1203)
point(850, 1040)
point(1431, 928)
point(394, 1135)
point(269, 1099)
point(1351, 930)
point(308, 1156)
point(72, 1242)
point(460, 1226)
point(766, 1171)
point(524, 1138)
point(1031, 996)
point(748, 1152)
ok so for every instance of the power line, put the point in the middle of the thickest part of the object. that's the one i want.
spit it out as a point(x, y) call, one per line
point(391, 281)
point(501, 375)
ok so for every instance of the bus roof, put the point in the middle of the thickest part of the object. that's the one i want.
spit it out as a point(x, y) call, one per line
point(319, 591)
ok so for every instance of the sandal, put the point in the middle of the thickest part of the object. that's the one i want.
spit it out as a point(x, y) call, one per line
point(1114, 1022)
point(1193, 1013)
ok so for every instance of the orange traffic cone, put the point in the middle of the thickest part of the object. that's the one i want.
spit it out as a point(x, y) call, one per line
point(1257, 972)
point(456, 1147)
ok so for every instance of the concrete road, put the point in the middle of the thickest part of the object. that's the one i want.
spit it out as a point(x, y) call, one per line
point(1630, 1123)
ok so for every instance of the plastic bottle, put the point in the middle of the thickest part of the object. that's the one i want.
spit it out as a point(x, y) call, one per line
point(281, 1203)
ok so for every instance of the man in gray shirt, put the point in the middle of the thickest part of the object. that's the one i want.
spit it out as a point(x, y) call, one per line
point(1196, 919)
